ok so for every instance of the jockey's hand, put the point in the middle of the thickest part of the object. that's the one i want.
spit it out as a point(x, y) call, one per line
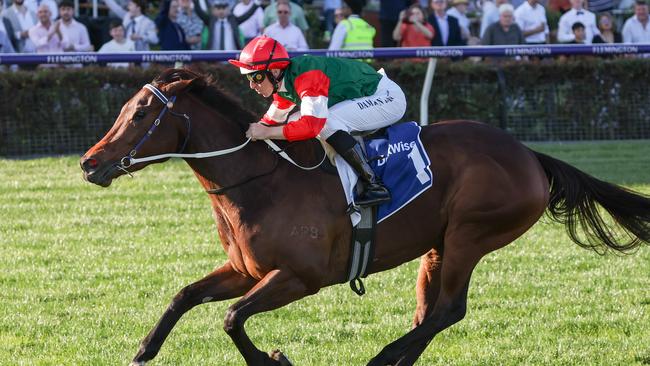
point(259, 131)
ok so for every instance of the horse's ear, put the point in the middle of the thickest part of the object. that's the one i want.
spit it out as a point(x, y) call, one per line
point(178, 87)
point(183, 86)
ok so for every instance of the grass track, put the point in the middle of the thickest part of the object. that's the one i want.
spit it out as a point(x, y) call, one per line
point(85, 273)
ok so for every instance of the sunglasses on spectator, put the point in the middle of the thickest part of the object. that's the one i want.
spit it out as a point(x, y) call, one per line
point(283, 12)
point(256, 77)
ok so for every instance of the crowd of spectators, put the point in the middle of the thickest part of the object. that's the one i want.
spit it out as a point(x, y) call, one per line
point(49, 26)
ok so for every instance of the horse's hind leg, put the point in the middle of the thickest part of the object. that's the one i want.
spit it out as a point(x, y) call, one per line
point(428, 285)
point(276, 289)
point(222, 284)
point(426, 290)
point(414, 351)
point(457, 265)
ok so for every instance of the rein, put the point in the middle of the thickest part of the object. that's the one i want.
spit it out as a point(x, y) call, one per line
point(129, 160)
point(168, 103)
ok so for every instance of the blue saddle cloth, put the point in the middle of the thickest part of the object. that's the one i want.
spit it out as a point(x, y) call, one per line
point(403, 165)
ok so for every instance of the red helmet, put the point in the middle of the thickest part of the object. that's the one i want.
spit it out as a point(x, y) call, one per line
point(262, 53)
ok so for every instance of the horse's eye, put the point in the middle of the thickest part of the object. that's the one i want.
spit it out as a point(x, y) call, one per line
point(139, 115)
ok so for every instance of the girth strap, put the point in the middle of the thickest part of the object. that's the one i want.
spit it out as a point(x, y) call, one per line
point(362, 248)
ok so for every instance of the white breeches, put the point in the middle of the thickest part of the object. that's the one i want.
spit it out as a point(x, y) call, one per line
point(381, 109)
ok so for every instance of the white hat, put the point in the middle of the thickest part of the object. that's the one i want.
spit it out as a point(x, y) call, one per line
point(503, 8)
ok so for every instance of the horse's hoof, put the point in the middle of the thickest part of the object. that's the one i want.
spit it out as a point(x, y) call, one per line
point(278, 356)
point(137, 363)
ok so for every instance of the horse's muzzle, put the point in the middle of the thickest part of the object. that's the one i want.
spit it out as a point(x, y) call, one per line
point(96, 172)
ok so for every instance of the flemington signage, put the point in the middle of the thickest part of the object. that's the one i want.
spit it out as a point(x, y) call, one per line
point(72, 59)
point(217, 56)
point(537, 51)
point(615, 49)
point(450, 52)
point(351, 54)
point(177, 57)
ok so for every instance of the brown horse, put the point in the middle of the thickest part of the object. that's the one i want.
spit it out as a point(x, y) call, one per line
point(286, 232)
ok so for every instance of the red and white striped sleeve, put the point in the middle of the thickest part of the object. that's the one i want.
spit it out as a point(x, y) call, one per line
point(278, 111)
point(312, 87)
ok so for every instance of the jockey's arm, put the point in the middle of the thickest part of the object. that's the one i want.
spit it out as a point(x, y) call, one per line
point(312, 87)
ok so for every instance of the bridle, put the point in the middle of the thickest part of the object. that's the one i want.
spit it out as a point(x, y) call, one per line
point(168, 103)
point(130, 159)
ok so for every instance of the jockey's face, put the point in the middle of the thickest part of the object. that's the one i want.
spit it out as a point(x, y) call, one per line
point(265, 88)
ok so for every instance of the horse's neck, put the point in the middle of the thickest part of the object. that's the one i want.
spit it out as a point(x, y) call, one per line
point(212, 131)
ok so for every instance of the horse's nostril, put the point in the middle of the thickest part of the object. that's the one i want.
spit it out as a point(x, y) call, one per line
point(90, 164)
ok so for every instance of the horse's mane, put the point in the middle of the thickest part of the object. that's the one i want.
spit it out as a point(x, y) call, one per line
point(205, 87)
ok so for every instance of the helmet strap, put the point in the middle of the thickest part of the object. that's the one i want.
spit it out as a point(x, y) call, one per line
point(274, 81)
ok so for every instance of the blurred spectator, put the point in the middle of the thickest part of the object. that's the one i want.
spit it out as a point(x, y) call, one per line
point(531, 19)
point(329, 10)
point(490, 14)
point(446, 28)
point(297, 14)
point(338, 16)
point(223, 29)
point(170, 33)
point(250, 17)
point(389, 11)
point(6, 45)
point(45, 35)
point(626, 4)
point(140, 29)
point(577, 14)
point(74, 35)
point(5, 42)
point(458, 10)
point(599, 6)
point(118, 44)
point(289, 35)
point(21, 20)
point(578, 30)
point(33, 5)
point(191, 23)
point(608, 33)
point(505, 31)
point(412, 30)
point(352, 33)
point(559, 6)
point(635, 29)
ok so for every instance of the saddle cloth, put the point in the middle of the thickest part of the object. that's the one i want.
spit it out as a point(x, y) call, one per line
point(402, 163)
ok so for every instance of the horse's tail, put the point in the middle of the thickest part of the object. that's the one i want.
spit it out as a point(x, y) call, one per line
point(574, 200)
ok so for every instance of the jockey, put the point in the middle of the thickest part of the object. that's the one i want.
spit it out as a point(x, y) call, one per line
point(336, 96)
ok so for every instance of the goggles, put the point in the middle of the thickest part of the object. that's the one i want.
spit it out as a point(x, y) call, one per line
point(256, 77)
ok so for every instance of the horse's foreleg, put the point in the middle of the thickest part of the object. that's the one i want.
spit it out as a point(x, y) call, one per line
point(276, 289)
point(222, 284)
point(450, 307)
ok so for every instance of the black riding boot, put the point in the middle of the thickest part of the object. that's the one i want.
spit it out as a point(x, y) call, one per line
point(374, 191)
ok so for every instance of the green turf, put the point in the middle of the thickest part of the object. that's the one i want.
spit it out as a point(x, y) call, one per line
point(85, 273)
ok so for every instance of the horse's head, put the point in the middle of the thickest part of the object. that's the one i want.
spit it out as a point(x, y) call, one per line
point(150, 123)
